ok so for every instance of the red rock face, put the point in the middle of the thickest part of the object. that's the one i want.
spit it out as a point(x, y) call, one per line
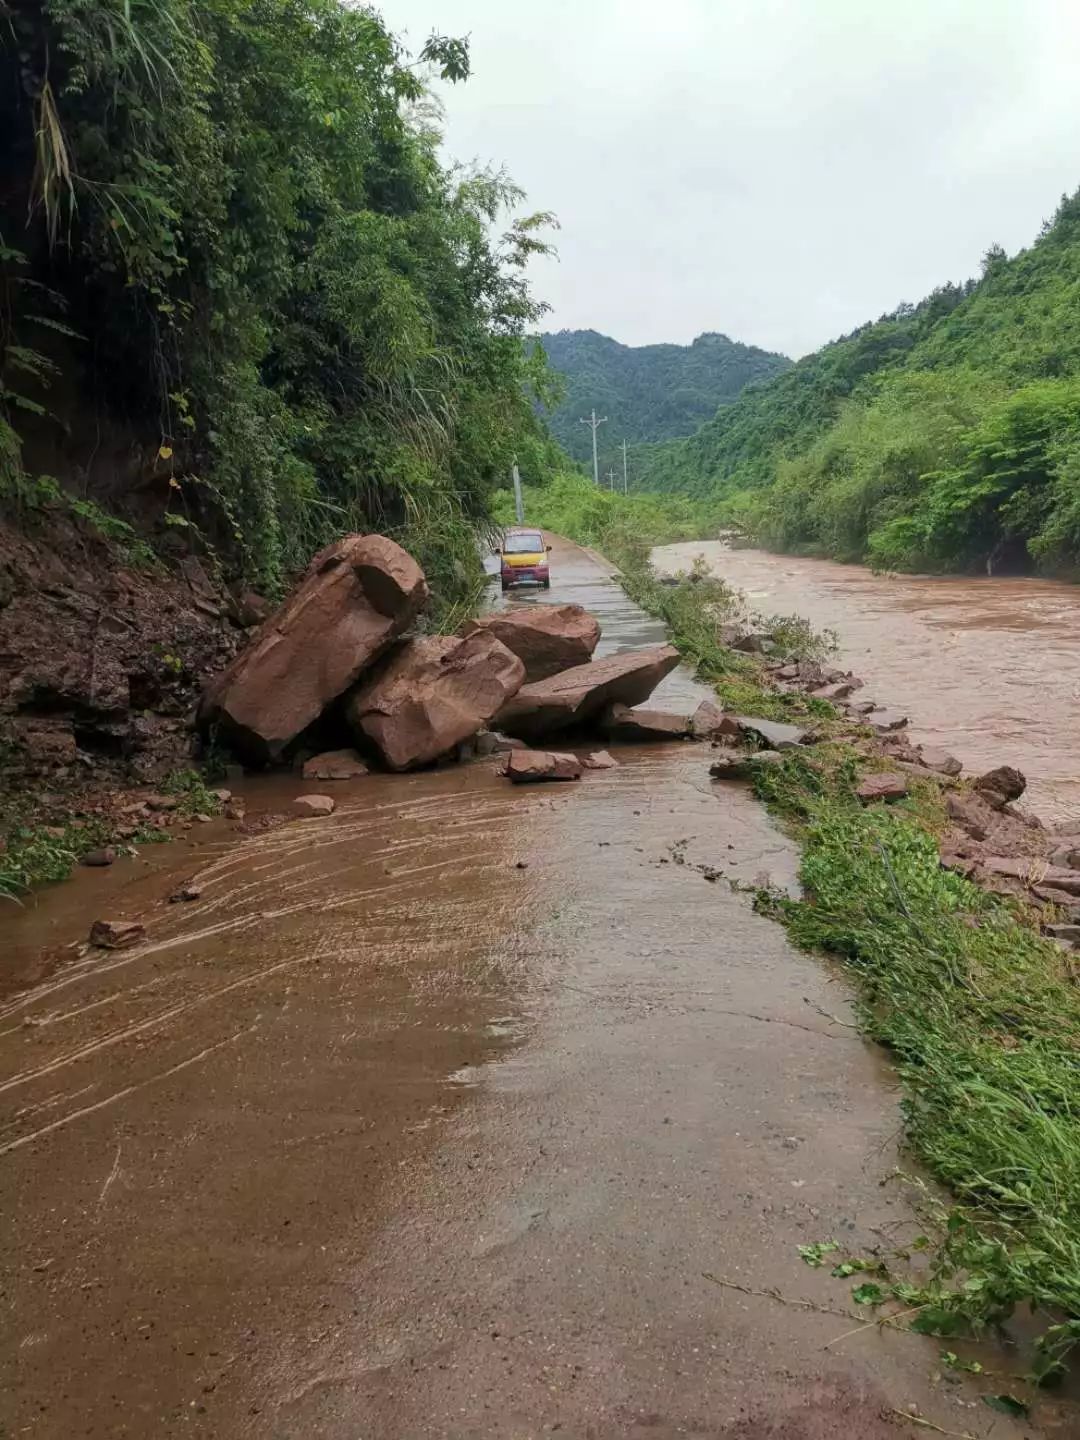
point(580, 694)
point(434, 693)
point(356, 597)
point(526, 767)
point(546, 638)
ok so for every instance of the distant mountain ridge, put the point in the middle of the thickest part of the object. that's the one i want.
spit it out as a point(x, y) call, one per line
point(648, 392)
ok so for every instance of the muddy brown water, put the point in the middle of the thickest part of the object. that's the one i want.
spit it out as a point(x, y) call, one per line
point(989, 668)
point(445, 1116)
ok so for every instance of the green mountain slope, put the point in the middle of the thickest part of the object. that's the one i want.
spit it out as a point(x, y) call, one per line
point(647, 392)
point(943, 436)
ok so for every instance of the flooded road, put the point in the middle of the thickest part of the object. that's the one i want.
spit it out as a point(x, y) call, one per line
point(445, 1116)
point(989, 669)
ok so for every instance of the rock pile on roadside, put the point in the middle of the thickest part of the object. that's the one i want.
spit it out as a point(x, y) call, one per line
point(989, 838)
point(335, 681)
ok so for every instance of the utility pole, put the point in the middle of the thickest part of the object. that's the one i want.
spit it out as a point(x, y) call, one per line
point(595, 424)
point(519, 503)
point(611, 481)
point(624, 467)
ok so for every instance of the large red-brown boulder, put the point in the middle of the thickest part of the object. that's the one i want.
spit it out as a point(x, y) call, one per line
point(432, 694)
point(355, 598)
point(575, 696)
point(546, 638)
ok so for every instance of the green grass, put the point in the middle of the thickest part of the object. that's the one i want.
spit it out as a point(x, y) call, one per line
point(36, 853)
point(980, 1013)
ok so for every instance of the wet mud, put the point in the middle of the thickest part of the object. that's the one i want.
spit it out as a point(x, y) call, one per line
point(467, 1111)
point(987, 668)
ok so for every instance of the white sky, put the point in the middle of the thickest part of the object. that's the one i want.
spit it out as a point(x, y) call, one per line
point(780, 170)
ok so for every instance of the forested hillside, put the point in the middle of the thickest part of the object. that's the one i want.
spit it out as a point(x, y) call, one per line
point(250, 308)
point(943, 436)
point(647, 392)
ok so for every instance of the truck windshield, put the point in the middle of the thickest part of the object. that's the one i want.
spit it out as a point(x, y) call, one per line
point(530, 544)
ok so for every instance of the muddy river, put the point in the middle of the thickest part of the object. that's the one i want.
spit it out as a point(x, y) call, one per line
point(988, 668)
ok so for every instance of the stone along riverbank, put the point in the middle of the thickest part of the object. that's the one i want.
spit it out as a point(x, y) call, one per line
point(986, 668)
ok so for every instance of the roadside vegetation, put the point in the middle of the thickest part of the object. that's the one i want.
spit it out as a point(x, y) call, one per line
point(980, 1013)
point(943, 436)
point(244, 298)
point(34, 852)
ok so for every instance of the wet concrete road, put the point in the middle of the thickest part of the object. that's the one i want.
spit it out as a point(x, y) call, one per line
point(431, 1118)
point(987, 668)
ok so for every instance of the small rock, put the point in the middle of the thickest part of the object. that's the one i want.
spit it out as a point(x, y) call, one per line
point(203, 819)
point(888, 786)
point(709, 722)
point(884, 720)
point(784, 672)
point(505, 743)
point(1069, 933)
point(962, 864)
point(1017, 812)
point(775, 734)
point(1034, 871)
point(190, 891)
point(235, 810)
point(750, 644)
point(935, 758)
point(965, 813)
point(737, 766)
point(334, 765)
point(599, 760)
point(313, 805)
point(223, 796)
point(839, 690)
point(100, 858)
point(528, 766)
point(1053, 896)
point(116, 934)
point(1068, 856)
point(162, 802)
point(998, 787)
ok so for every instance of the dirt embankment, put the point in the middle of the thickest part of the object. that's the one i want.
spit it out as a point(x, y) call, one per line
point(101, 661)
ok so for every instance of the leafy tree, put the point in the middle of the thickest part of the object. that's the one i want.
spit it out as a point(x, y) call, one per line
point(301, 319)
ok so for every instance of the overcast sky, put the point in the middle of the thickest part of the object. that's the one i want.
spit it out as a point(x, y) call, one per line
point(780, 170)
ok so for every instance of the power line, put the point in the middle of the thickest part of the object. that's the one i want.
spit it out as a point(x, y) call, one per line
point(595, 424)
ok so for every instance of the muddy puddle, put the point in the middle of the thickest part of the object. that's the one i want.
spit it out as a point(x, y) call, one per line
point(988, 668)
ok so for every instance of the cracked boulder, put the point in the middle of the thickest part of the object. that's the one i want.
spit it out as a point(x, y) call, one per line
point(355, 599)
point(432, 694)
point(576, 696)
point(545, 638)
